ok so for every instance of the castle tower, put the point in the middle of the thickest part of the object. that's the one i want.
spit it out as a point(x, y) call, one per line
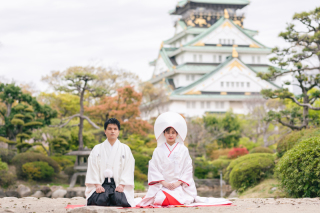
point(210, 63)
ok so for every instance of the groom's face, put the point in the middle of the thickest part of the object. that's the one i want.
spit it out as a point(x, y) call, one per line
point(112, 131)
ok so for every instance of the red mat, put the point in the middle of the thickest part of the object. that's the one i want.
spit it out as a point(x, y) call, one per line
point(151, 207)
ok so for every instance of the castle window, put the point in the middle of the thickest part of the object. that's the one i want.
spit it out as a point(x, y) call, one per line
point(192, 77)
point(202, 104)
point(188, 105)
point(224, 41)
point(227, 84)
point(221, 84)
point(253, 61)
point(221, 105)
point(187, 77)
point(200, 58)
point(229, 42)
point(237, 84)
point(258, 59)
point(233, 41)
point(214, 58)
point(220, 58)
point(217, 105)
point(232, 84)
point(242, 84)
point(219, 40)
point(193, 105)
point(248, 84)
point(195, 58)
point(208, 104)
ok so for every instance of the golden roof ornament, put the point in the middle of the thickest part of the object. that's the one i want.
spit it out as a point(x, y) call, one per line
point(234, 53)
point(226, 14)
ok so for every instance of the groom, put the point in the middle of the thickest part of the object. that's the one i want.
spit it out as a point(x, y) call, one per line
point(110, 167)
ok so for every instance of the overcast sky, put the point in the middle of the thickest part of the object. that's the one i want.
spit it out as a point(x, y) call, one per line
point(38, 36)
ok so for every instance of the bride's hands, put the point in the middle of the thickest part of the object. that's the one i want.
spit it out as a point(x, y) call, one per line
point(171, 186)
point(176, 184)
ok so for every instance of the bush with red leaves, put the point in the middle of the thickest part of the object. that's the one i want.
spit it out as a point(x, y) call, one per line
point(237, 152)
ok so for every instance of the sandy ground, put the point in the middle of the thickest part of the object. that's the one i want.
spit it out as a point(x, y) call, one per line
point(253, 205)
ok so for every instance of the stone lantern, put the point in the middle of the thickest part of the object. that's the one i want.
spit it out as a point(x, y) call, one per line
point(80, 165)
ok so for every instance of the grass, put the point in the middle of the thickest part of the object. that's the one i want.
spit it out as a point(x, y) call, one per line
point(138, 186)
point(263, 190)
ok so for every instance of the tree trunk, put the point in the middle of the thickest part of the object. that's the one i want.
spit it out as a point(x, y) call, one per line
point(306, 110)
point(9, 106)
point(80, 136)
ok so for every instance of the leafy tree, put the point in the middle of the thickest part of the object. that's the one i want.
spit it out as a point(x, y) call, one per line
point(21, 114)
point(226, 128)
point(87, 82)
point(125, 107)
point(153, 98)
point(301, 60)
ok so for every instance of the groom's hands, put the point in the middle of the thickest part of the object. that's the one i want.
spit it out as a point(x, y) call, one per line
point(119, 188)
point(99, 188)
point(171, 186)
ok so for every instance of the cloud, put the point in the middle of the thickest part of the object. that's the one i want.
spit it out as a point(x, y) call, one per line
point(38, 36)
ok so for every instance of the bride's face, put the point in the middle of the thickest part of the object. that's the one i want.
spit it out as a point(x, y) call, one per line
point(170, 135)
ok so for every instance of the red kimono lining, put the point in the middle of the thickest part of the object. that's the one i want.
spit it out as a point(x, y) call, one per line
point(154, 182)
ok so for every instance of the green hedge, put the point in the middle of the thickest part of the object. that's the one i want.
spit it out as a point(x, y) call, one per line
point(38, 170)
point(220, 165)
point(299, 169)
point(250, 172)
point(3, 166)
point(27, 157)
point(261, 150)
point(64, 161)
point(289, 141)
point(7, 179)
point(7, 155)
point(204, 169)
point(244, 159)
point(142, 162)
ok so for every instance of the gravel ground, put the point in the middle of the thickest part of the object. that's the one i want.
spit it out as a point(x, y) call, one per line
point(254, 205)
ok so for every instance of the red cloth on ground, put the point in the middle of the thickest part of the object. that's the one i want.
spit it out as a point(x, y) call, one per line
point(169, 200)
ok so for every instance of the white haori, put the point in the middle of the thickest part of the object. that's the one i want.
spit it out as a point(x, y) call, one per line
point(119, 160)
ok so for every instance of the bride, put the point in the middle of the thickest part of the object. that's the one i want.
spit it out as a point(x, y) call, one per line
point(170, 175)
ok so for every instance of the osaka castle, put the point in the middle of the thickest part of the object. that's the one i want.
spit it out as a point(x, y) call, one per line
point(210, 63)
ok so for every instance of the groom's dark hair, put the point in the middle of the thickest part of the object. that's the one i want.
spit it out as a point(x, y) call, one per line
point(111, 121)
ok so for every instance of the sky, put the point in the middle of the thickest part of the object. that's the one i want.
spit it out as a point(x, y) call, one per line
point(39, 36)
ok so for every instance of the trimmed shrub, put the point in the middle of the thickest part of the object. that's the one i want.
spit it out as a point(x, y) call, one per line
point(290, 140)
point(27, 157)
point(220, 165)
point(3, 166)
point(251, 171)
point(142, 162)
point(62, 161)
point(237, 152)
point(299, 169)
point(7, 178)
point(6, 155)
point(38, 170)
point(139, 176)
point(215, 154)
point(204, 169)
point(243, 159)
point(261, 150)
point(69, 170)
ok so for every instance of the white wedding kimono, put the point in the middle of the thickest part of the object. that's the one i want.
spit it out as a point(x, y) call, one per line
point(117, 158)
point(171, 164)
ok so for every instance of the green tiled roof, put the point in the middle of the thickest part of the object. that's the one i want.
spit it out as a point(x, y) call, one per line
point(215, 26)
point(236, 2)
point(204, 77)
point(166, 59)
point(250, 32)
point(226, 49)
